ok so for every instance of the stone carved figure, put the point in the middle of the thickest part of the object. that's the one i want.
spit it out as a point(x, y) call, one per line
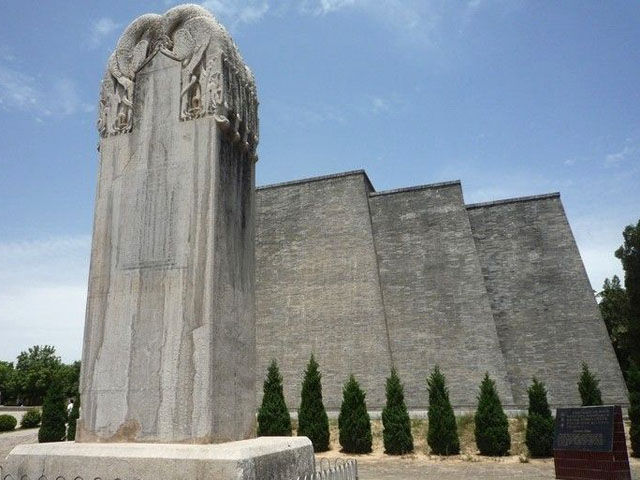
point(215, 80)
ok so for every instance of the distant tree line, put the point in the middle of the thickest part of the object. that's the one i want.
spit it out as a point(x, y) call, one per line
point(27, 381)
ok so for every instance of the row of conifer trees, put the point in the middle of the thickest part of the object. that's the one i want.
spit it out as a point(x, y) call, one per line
point(491, 424)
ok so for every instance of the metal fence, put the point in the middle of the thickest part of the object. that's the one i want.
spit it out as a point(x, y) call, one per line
point(339, 470)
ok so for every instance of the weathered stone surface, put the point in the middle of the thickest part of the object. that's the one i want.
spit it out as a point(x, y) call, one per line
point(413, 277)
point(543, 305)
point(266, 458)
point(435, 298)
point(169, 348)
point(318, 287)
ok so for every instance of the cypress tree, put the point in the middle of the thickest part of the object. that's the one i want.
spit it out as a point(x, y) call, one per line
point(634, 408)
point(54, 414)
point(273, 416)
point(395, 419)
point(312, 417)
point(354, 422)
point(588, 387)
point(492, 426)
point(73, 419)
point(540, 425)
point(442, 436)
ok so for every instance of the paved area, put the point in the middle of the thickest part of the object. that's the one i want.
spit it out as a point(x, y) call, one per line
point(8, 440)
point(386, 468)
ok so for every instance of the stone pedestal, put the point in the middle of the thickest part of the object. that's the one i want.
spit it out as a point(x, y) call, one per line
point(265, 458)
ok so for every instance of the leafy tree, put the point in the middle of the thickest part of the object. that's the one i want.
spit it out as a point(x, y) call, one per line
point(312, 417)
point(395, 419)
point(442, 436)
point(540, 425)
point(73, 420)
point(273, 416)
point(70, 376)
point(614, 307)
point(588, 387)
point(354, 422)
point(35, 370)
point(629, 254)
point(492, 425)
point(8, 383)
point(633, 383)
point(54, 413)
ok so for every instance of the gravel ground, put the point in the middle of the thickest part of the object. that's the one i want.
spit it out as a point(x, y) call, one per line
point(373, 467)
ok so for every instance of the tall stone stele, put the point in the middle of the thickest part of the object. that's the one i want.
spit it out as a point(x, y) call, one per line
point(169, 344)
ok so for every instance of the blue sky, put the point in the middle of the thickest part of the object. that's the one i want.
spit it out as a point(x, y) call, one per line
point(513, 97)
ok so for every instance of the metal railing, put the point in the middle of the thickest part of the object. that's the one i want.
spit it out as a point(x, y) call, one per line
point(340, 470)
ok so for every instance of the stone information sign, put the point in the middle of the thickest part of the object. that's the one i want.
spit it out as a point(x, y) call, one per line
point(589, 443)
point(587, 429)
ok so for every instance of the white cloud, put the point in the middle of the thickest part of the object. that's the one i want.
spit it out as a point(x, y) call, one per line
point(597, 239)
point(379, 105)
point(52, 96)
point(43, 296)
point(101, 29)
point(620, 156)
point(234, 12)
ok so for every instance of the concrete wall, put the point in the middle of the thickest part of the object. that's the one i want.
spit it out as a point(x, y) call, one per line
point(542, 301)
point(318, 287)
point(414, 278)
point(436, 302)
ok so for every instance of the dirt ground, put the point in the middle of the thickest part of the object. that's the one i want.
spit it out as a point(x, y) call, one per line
point(419, 465)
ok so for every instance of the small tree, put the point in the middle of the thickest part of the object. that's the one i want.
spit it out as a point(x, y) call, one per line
point(354, 422)
point(73, 420)
point(395, 419)
point(442, 436)
point(540, 425)
point(273, 416)
point(31, 418)
point(312, 417)
point(492, 426)
point(54, 414)
point(634, 408)
point(588, 387)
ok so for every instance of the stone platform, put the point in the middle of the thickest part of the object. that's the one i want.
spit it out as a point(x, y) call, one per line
point(265, 458)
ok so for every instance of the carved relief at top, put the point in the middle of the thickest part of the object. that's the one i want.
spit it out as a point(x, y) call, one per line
point(214, 78)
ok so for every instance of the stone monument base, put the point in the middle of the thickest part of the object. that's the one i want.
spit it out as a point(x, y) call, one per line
point(265, 458)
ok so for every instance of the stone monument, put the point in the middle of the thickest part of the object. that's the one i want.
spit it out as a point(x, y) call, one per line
point(169, 344)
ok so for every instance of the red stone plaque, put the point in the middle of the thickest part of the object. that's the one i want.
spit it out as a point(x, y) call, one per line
point(589, 443)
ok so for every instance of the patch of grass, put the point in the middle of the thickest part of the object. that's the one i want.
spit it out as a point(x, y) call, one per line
point(466, 426)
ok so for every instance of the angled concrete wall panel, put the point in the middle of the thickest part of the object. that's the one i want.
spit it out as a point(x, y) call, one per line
point(436, 303)
point(543, 304)
point(318, 287)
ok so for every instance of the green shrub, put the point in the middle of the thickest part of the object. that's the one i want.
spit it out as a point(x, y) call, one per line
point(312, 417)
point(395, 419)
point(492, 426)
point(633, 382)
point(54, 414)
point(31, 418)
point(442, 436)
point(7, 423)
point(354, 423)
point(73, 420)
point(588, 387)
point(540, 425)
point(273, 416)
